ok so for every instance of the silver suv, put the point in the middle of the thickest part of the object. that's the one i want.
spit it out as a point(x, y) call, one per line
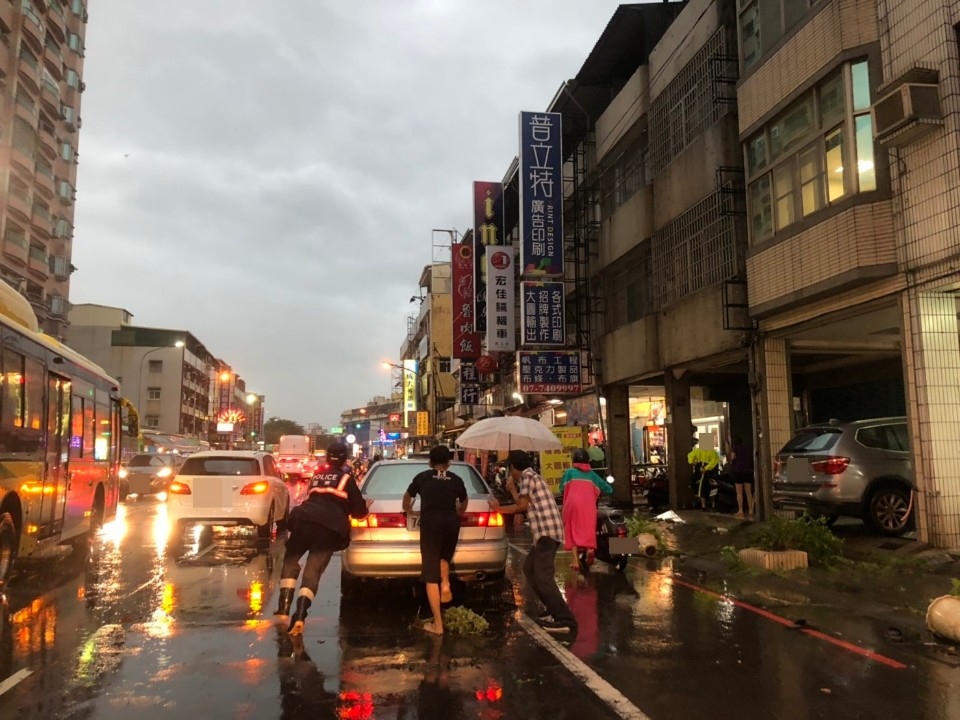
point(859, 469)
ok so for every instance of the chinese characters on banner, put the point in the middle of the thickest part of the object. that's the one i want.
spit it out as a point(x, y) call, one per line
point(553, 463)
point(542, 313)
point(466, 341)
point(541, 194)
point(469, 395)
point(409, 390)
point(423, 423)
point(469, 383)
point(550, 371)
point(487, 232)
point(500, 300)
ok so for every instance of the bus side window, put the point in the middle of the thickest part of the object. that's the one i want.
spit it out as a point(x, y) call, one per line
point(11, 405)
point(76, 428)
point(34, 384)
point(89, 427)
point(101, 443)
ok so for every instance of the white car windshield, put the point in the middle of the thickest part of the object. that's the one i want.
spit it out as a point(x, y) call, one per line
point(220, 466)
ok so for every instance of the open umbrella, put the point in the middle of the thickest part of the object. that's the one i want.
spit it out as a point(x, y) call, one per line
point(508, 433)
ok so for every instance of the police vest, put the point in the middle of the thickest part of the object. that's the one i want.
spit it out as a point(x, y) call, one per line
point(330, 481)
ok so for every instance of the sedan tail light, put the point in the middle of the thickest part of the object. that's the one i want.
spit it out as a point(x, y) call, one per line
point(255, 488)
point(380, 520)
point(483, 519)
point(830, 466)
point(178, 488)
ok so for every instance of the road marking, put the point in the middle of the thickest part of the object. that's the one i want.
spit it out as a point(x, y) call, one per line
point(850, 647)
point(17, 677)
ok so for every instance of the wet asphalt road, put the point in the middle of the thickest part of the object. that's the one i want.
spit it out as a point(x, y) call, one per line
point(144, 629)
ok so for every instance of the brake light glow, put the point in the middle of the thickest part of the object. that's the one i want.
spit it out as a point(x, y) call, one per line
point(380, 520)
point(483, 519)
point(178, 488)
point(830, 466)
point(256, 488)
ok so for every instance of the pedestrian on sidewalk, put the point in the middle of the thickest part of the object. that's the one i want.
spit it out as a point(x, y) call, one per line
point(533, 496)
point(741, 468)
point(580, 487)
point(319, 526)
point(443, 498)
point(704, 461)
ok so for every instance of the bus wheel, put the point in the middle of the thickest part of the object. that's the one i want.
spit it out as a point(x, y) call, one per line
point(8, 547)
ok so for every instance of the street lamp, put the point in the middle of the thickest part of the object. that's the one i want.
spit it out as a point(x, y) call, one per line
point(141, 401)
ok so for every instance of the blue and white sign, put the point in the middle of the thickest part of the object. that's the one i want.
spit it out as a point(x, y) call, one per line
point(552, 372)
point(542, 313)
point(468, 373)
point(541, 194)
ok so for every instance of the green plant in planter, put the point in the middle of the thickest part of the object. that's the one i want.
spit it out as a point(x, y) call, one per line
point(805, 533)
point(638, 526)
point(955, 587)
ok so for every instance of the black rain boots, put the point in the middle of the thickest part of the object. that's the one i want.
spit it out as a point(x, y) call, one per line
point(300, 616)
point(286, 600)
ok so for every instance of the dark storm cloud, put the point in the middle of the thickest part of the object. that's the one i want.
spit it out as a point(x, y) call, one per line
point(267, 174)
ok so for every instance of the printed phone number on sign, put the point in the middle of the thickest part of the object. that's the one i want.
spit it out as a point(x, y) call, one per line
point(548, 388)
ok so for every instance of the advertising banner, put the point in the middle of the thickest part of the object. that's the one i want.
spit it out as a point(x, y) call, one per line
point(501, 328)
point(542, 313)
point(409, 390)
point(553, 463)
point(487, 232)
point(469, 395)
point(423, 423)
point(468, 373)
point(555, 372)
point(541, 194)
point(466, 341)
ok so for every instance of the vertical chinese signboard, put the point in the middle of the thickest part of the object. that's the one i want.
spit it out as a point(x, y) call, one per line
point(423, 423)
point(541, 194)
point(409, 390)
point(553, 463)
point(469, 385)
point(542, 315)
point(466, 341)
point(500, 300)
point(487, 232)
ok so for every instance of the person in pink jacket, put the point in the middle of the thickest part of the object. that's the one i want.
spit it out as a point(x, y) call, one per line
point(580, 487)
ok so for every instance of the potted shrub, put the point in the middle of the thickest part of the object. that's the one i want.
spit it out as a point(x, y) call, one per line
point(792, 544)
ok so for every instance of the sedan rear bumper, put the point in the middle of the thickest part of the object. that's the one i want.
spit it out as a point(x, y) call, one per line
point(402, 560)
point(252, 513)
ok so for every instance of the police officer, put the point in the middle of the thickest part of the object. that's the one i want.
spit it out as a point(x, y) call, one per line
point(320, 526)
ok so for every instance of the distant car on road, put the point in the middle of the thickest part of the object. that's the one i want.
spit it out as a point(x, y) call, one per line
point(386, 544)
point(148, 474)
point(859, 469)
point(229, 487)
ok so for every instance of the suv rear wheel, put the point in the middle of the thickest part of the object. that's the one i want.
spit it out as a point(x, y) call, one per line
point(890, 509)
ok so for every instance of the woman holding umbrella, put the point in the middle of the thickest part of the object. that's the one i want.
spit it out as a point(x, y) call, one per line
point(580, 487)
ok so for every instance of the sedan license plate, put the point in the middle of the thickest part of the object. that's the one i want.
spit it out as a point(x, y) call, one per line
point(413, 523)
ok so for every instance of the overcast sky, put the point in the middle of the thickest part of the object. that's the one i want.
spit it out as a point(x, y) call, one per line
point(266, 173)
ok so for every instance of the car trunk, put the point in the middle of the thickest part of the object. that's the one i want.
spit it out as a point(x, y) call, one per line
point(210, 491)
point(388, 509)
point(805, 462)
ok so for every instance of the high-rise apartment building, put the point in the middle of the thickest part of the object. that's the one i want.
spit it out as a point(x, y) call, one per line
point(41, 66)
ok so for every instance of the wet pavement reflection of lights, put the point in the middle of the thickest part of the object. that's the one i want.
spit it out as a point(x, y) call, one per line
point(161, 530)
point(114, 531)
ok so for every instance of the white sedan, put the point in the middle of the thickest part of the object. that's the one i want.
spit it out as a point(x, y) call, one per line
point(230, 487)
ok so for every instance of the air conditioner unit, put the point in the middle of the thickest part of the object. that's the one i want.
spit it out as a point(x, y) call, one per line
point(906, 114)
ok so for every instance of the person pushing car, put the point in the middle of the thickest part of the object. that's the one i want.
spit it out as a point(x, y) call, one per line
point(319, 526)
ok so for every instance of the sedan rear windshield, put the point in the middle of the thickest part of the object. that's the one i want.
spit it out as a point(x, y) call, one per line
point(394, 478)
point(148, 461)
point(220, 466)
point(812, 440)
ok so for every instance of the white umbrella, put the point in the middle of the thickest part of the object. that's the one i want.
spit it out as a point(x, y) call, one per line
point(508, 433)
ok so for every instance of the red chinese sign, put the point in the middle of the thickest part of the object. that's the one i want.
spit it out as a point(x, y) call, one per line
point(466, 340)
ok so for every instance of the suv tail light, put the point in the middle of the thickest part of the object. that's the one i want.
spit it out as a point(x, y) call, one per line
point(380, 520)
point(777, 467)
point(830, 466)
point(255, 488)
point(483, 519)
point(178, 488)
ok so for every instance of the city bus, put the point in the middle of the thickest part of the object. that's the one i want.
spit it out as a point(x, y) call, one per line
point(60, 432)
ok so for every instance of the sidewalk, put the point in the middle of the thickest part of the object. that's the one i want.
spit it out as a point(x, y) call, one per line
point(884, 585)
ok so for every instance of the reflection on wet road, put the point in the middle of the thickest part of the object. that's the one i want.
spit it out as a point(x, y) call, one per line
point(150, 625)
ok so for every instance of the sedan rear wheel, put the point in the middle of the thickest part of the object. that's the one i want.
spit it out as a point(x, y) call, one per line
point(264, 531)
point(891, 510)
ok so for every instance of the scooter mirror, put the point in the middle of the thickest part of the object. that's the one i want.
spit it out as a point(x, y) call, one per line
point(610, 479)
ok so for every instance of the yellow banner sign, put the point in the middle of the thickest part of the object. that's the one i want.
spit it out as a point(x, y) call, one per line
point(423, 423)
point(553, 463)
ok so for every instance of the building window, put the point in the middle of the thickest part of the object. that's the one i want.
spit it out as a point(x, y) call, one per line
point(151, 421)
point(66, 151)
point(764, 22)
point(73, 78)
point(807, 148)
point(624, 177)
point(153, 393)
point(444, 365)
point(155, 366)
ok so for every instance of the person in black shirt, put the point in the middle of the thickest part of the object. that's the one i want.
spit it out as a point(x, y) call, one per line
point(319, 526)
point(443, 498)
